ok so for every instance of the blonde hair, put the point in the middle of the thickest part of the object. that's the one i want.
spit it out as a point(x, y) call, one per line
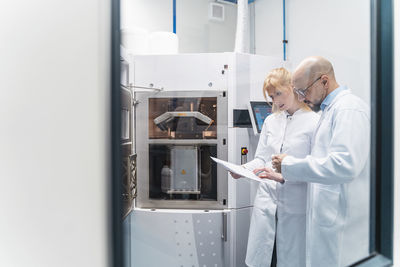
point(280, 78)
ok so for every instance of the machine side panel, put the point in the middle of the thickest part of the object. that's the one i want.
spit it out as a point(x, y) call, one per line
point(238, 84)
point(141, 133)
point(243, 82)
point(239, 190)
point(239, 227)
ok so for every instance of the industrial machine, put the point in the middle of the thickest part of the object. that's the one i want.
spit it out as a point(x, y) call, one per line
point(188, 108)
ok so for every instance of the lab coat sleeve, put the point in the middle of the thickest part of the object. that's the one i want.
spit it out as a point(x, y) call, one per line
point(346, 153)
point(261, 157)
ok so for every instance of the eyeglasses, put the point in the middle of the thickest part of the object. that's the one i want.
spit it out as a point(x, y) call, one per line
point(302, 92)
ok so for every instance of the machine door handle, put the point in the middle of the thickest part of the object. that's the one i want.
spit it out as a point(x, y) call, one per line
point(224, 235)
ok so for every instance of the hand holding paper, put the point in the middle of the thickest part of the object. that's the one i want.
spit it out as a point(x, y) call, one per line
point(268, 173)
point(239, 170)
point(234, 175)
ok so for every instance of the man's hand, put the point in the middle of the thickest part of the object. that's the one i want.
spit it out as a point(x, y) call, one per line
point(267, 173)
point(277, 162)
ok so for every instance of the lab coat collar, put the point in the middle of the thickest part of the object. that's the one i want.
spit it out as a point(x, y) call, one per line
point(329, 98)
point(337, 97)
point(297, 112)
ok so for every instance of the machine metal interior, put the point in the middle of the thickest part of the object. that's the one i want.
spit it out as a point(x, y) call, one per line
point(182, 135)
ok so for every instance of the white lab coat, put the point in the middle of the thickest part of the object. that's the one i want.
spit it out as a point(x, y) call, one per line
point(291, 135)
point(338, 173)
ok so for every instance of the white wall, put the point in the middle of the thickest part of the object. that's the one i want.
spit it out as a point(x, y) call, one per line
point(396, 247)
point(152, 15)
point(268, 28)
point(197, 34)
point(54, 117)
point(338, 30)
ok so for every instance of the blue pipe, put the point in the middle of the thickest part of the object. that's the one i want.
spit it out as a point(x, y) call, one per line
point(284, 30)
point(174, 16)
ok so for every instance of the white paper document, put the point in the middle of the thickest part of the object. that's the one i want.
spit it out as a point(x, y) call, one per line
point(239, 170)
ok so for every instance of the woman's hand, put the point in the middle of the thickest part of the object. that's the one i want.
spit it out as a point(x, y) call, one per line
point(268, 173)
point(234, 175)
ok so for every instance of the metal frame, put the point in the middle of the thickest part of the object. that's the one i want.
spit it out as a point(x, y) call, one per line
point(142, 142)
point(116, 213)
point(382, 135)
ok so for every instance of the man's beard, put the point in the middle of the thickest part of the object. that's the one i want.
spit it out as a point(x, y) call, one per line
point(316, 108)
point(313, 107)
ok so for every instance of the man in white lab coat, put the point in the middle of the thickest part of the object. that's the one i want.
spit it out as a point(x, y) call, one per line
point(337, 169)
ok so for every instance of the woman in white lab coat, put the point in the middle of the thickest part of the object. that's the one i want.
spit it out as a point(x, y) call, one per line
point(280, 209)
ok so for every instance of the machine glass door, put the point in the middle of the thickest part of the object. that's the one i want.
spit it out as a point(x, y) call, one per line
point(177, 133)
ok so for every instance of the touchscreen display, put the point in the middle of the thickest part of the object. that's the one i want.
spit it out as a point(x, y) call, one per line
point(261, 110)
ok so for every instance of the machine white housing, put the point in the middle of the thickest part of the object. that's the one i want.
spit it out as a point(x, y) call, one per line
point(183, 233)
